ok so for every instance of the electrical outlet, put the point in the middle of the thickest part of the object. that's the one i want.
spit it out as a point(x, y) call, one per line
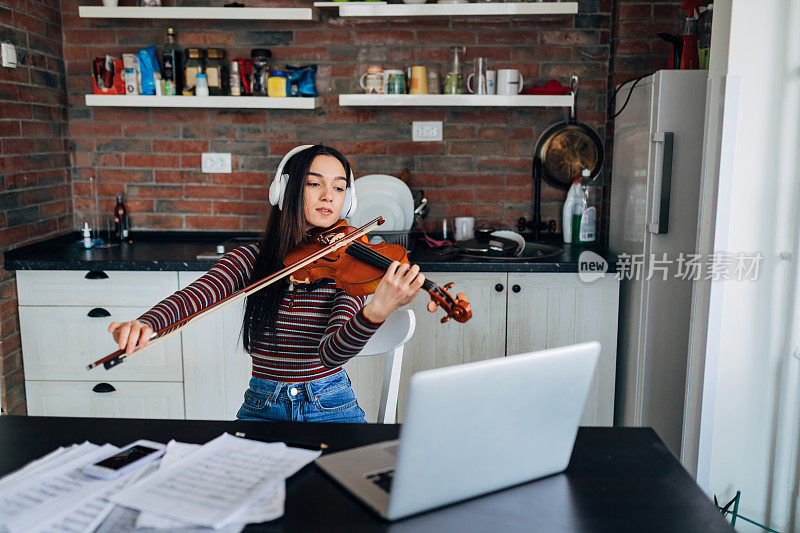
point(9, 55)
point(426, 131)
point(216, 163)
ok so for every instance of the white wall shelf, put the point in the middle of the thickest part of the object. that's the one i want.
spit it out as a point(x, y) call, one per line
point(200, 13)
point(339, 4)
point(454, 100)
point(368, 9)
point(220, 102)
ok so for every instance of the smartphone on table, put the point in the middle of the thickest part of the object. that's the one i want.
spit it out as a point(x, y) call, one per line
point(130, 457)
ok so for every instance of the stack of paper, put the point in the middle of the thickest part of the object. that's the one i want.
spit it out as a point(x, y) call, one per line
point(224, 484)
point(47, 490)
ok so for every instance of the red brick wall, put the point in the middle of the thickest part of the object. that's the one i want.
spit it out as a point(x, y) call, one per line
point(482, 167)
point(35, 196)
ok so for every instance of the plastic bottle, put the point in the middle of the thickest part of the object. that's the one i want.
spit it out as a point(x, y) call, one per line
point(584, 215)
point(87, 236)
point(574, 195)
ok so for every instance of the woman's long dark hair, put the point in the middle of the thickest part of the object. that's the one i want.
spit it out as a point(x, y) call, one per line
point(285, 229)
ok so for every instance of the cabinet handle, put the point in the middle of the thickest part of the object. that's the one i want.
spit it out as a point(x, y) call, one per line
point(104, 387)
point(516, 288)
point(96, 274)
point(98, 312)
point(499, 287)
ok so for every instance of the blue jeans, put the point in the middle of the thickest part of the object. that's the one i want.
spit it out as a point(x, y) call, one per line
point(329, 399)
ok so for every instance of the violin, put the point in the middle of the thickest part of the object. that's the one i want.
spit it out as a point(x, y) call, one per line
point(358, 268)
point(319, 253)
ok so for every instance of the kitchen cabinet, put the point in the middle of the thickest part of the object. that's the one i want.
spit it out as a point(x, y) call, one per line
point(436, 345)
point(202, 373)
point(216, 367)
point(515, 313)
point(59, 341)
point(64, 317)
point(550, 310)
point(115, 399)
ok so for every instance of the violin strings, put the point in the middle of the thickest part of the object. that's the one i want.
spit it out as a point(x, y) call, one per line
point(378, 260)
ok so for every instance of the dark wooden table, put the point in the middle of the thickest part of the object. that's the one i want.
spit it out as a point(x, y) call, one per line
point(619, 479)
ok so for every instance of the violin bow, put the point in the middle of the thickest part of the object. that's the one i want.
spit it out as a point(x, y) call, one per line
point(120, 356)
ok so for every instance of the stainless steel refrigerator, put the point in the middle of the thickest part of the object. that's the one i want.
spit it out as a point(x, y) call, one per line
point(655, 189)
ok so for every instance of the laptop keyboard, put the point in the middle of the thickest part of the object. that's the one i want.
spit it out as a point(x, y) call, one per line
point(383, 479)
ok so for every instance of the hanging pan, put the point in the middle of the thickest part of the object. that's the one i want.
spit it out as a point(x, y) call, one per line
point(566, 148)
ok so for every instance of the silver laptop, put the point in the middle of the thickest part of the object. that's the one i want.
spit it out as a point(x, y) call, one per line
point(471, 429)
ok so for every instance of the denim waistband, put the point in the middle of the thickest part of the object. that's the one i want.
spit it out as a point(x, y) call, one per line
point(310, 388)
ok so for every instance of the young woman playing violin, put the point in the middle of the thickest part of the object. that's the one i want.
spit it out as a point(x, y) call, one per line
point(298, 337)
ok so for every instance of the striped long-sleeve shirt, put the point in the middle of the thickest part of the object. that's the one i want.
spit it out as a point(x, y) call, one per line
point(317, 330)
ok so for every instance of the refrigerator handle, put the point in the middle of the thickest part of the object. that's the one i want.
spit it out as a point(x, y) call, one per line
point(662, 183)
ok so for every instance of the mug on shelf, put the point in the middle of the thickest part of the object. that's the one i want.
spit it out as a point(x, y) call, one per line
point(418, 83)
point(372, 80)
point(387, 74)
point(509, 81)
point(396, 84)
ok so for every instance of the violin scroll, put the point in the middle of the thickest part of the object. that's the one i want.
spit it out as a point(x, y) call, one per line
point(457, 308)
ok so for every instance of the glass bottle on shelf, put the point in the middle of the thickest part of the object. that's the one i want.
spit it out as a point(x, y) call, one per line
point(171, 57)
point(260, 71)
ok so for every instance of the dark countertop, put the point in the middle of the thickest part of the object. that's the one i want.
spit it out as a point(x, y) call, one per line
point(178, 251)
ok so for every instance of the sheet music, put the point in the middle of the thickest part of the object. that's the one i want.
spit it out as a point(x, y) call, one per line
point(47, 494)
point(266, 508)
point(89, 514)
point(60, 455)
point(212, 485)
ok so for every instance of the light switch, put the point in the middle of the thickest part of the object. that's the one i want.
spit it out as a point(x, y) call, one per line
point(9, 54)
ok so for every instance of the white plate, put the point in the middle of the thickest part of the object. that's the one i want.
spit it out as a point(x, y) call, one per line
point(385, 196)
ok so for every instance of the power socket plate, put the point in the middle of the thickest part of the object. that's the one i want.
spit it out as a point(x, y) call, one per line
point(216, 163)
point(426, 131)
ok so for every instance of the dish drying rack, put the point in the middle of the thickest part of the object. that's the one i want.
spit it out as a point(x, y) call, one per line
point(402, 237)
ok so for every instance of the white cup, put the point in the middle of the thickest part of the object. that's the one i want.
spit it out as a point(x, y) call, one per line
point(509, 81)
point(491, 82)
point(110, 3)
point(465, 228)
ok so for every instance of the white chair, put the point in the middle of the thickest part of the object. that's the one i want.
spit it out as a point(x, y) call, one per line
point(389, 339)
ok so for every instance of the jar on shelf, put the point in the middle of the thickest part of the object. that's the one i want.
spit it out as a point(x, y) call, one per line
point(202, 85)
point(217, 71)
point(277, 83)
point(261, 73)
point(191, 68)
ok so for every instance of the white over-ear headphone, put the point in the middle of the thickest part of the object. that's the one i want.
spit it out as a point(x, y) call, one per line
point(278, 187)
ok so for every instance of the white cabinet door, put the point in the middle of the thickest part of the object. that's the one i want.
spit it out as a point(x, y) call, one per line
point(58, 343)
point(109, 287)
point(436, 345)
point(551, 310)
point(121, 399)
point(216, 369)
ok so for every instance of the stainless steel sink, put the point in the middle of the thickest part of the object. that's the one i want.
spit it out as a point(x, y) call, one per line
point(532, 252)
